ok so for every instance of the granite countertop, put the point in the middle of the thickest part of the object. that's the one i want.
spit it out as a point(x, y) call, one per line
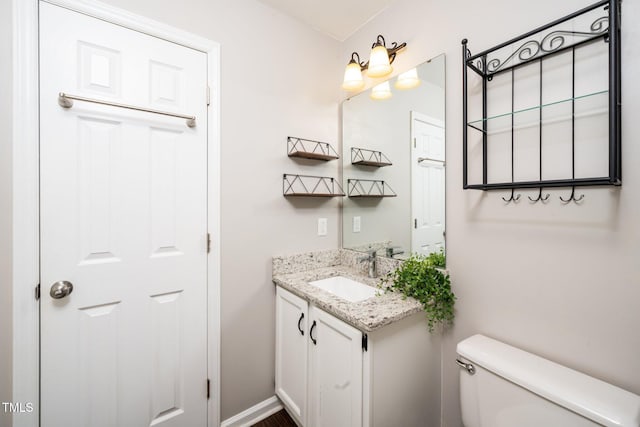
point(294, 274)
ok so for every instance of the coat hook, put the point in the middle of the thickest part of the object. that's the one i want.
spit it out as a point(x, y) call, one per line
point(572, 196)
point(512, 198)
point(537, 199)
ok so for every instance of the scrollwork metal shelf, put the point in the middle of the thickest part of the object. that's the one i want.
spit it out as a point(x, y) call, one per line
point(294, 185)
point(364, 157)
point(309, 149)
point(369, 188)
point(599, 22)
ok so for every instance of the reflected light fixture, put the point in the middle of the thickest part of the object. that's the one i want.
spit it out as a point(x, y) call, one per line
point(408, 80)
point(381, 91)
point(379, 64)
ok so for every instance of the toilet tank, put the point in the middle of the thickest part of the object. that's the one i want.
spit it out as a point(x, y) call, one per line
point(513, 388)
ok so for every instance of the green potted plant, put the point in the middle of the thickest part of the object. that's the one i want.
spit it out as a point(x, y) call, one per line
point(421, 277)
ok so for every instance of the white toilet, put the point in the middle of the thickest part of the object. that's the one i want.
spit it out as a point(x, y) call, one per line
point(502, 386)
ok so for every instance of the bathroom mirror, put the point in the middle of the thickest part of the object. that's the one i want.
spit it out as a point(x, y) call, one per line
point(393, 153)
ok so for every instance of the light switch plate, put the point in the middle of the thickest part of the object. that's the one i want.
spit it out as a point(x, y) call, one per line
point(322, 226)
point(356, 224)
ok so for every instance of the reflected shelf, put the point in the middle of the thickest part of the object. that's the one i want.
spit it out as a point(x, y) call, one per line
point(365, 157)
point(475, 123)
point(369, 188)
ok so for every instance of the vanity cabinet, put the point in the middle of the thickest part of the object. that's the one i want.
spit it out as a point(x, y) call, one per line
point(330, 374)
point(318, 364)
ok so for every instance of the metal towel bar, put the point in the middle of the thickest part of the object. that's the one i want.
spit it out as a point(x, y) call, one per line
point(66, 101)
point(423, 159)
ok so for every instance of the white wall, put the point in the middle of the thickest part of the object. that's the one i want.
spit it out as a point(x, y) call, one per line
point(560, 281)
point(277, 80)
point(6, 310)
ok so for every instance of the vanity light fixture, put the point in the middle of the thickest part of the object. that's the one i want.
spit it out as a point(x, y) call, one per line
point(381, 91)
point(408, 80)
point(353, 74)
point(379, 64)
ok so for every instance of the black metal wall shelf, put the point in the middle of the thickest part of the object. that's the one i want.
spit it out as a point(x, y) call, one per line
point(294, 185)
point(597, 23)
point(309, 149)
point(365, 157)
point(369, 188)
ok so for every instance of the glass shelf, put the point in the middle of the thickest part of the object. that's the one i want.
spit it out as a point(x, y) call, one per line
point(477, 124)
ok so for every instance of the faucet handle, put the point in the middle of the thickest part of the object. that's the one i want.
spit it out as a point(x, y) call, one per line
point(391, 250)
point(371, 254)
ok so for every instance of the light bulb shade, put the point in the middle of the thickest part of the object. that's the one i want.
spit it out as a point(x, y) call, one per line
point(379, 65)
point(381, 91)
point(408, 79)
point(352, 77)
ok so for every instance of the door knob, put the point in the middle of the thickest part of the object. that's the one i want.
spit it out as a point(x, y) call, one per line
point(61, 289)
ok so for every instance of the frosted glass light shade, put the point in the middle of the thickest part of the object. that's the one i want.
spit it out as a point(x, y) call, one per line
point(408, 79)
point(379, 65)
point(381, 91)
point(352, 77)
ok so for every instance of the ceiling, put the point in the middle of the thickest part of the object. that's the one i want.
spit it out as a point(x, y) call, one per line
point(336, 18)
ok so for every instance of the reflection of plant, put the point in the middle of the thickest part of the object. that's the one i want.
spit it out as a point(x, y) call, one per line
point(438, 259)
point(419, 277)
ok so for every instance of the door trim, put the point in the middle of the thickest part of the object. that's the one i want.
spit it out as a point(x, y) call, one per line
point(26, 209)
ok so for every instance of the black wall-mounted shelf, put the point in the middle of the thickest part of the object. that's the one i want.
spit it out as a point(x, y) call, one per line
point(369, 188)
point(364, 157)
point(294, 185)
point(309, 149)
point(598, 23)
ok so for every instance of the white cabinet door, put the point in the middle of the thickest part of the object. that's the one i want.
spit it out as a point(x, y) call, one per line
point(335, 372)
point(124, 219)
point(291, 352)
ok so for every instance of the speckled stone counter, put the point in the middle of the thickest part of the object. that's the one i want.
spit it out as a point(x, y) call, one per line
point(295, 272)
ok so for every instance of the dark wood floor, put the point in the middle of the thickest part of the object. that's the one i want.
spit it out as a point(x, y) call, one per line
point(279, 419)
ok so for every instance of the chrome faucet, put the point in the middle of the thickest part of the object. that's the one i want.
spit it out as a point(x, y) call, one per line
point(371, 259)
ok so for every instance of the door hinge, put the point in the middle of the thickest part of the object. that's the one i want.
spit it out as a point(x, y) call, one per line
point(208, 243)
point(38, 292)
point(208, 388)
point(415, 223)
point(414, 142)
point(365, 342)
point(208, 95)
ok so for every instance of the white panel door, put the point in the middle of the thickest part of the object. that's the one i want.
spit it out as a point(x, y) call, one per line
point(291, 352)
point(427, 184)
point(123, 218)
point(335, 395)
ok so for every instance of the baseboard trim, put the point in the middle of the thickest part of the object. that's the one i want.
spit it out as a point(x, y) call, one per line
point(256, 413)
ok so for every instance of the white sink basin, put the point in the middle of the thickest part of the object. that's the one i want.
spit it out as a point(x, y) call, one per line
point(345, 288)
